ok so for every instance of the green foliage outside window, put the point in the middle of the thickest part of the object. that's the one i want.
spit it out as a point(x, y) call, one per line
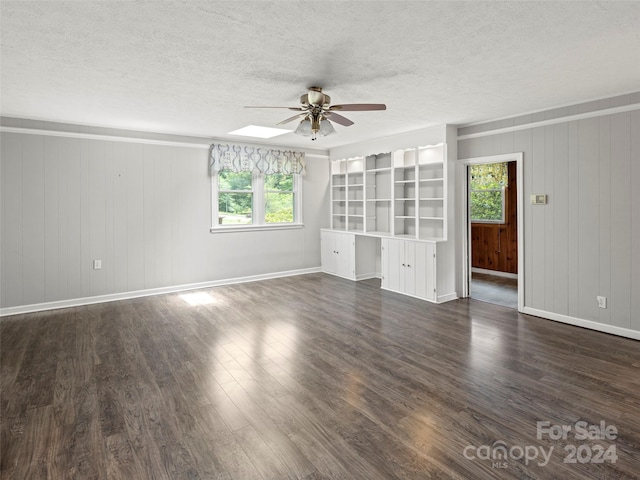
point(279, 198)
point(235, 200)
point(487, 184)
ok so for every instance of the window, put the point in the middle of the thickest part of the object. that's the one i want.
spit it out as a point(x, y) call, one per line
point(278, 198)
point(255, 187)
point(235, 198)
point(246, 200)
point(487, 192)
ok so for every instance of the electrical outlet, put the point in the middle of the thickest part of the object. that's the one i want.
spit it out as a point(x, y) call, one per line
point(97, 264)
point(602, 302)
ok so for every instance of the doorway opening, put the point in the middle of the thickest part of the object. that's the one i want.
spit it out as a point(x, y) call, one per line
point(493, 230)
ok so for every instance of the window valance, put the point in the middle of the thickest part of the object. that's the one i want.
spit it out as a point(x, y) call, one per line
point(237, 158)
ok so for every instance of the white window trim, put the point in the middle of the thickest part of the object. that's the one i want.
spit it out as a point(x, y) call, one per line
point(258, 207)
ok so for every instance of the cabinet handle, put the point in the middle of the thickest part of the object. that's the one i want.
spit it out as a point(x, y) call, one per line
point(408, 265)
point(403, 265)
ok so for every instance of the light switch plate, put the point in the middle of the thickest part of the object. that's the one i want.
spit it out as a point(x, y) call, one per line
point(538, 199)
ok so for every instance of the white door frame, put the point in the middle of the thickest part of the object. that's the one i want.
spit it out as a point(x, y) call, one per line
point(466, 224)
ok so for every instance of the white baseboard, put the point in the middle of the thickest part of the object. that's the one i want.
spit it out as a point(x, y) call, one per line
point(494, 272)
point(446, 298)
point(366, 276)
point(38, 307)
point(579, 322)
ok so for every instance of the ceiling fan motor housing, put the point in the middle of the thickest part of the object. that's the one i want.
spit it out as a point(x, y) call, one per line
point(315, 97)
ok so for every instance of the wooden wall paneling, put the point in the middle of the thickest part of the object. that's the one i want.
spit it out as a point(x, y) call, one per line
point(33, 214)
point(549, 215)
point(108, 265)
point(562, 177)
point(537, 244)
point(464, 148)
point(589, 229)
point(191, 187)
point(505, 142)
point(161, 217)
point(135, 216)
point(12, 219)
point(85, 218)
point(144, 210)
point(97, 156)
point(151, 153)
point(74, 227)
point(51, 221)
point(512, 209)
point(184, 218)
point(63, 161)
point(120, 257)
point(202, 218)
point(635, 219)
point(588, 218)
point(620, 301)
point(604, 203)
point(572, 247)
point(174, 215)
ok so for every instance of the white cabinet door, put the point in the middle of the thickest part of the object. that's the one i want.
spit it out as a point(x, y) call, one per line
point(327, 252)
point(425, 271)
point(409, 267)
point(392, 269)
point(345, 255)
point(337, 253)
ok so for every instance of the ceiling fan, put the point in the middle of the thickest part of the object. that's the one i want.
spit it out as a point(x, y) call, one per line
point(317, 112)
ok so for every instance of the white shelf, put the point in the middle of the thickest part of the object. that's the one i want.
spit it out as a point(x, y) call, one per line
point(404, 166)
point(339, 214)
point(401, 193)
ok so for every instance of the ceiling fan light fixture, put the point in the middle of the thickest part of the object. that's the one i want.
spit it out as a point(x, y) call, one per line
point(316, 107)
point(304, 128)
point(326, 128)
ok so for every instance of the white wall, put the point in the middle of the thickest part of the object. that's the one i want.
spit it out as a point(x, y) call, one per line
point(586, 241)
point(143, 209)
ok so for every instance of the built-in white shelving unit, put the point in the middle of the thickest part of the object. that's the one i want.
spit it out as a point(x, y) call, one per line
point(400, 193)
point(393, 207)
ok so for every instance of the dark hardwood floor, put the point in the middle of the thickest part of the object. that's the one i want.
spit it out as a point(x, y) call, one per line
point(494, 289)
point(311, 377)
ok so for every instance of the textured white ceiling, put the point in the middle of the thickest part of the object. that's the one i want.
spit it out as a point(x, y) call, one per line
point(190, 67)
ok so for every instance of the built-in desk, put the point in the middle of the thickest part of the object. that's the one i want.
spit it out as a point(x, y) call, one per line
point(415, 267)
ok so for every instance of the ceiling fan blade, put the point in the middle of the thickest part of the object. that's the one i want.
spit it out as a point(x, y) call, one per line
point(334, 117)
point(357, 107)
point(298, 109)
point(290, 119)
